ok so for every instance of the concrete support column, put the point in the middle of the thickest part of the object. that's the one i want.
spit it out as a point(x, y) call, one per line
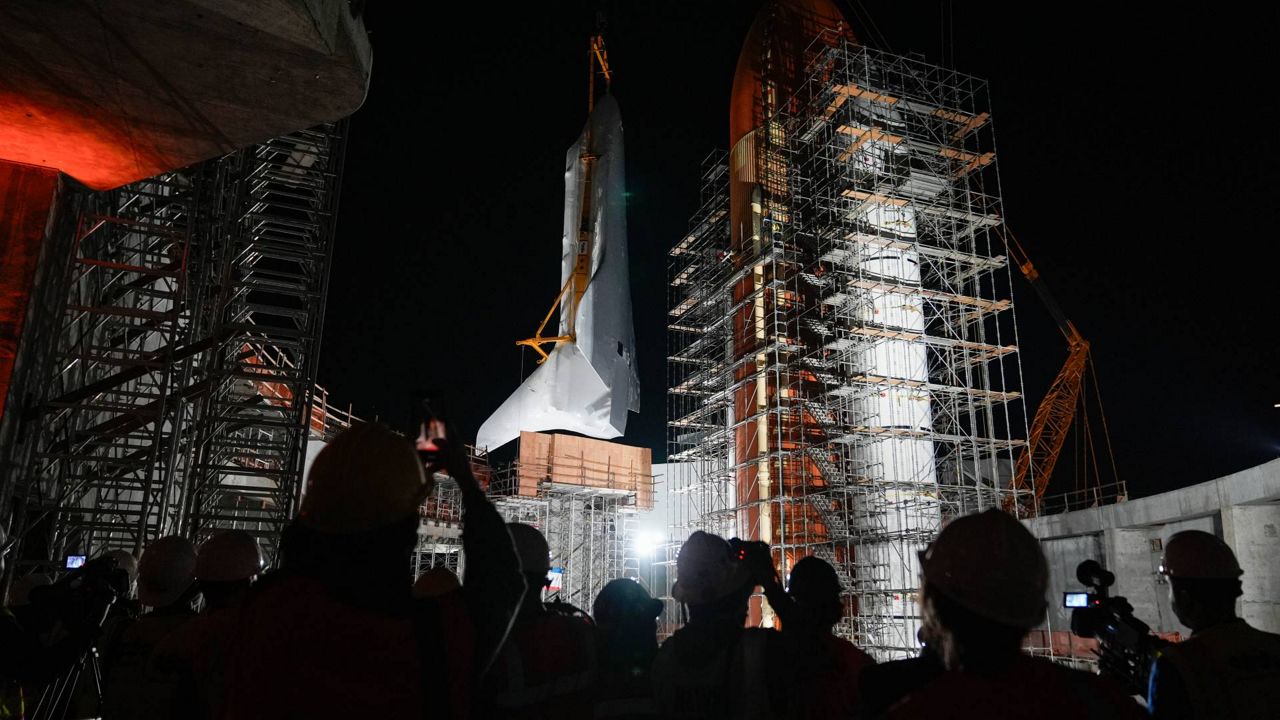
point(1135, 561)
point(1253, 532)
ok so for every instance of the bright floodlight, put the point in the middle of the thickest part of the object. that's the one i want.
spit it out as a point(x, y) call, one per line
point(647, 543)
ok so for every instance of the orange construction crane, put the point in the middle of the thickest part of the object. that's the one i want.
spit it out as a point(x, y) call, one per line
point(1057, 411)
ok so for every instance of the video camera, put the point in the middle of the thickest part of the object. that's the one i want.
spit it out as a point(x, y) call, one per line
point(1126, 647)
point(753, 552)
point(83, 597)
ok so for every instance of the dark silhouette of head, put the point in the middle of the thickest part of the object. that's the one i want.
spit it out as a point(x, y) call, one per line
point(226, 566)
point(535, 561)
point(1204, 578)
point(627, 619)
point(985, 578)
point(816, 590)
point(711, 581)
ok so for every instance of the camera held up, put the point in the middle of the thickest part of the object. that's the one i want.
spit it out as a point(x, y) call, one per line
point(1126, 646)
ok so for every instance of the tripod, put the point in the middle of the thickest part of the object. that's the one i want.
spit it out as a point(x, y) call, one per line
point(56, 700)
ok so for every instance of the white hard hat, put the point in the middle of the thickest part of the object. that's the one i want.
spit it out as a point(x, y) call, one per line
point(228, 556)
point(366, 478)
point(531, 547)
point(991, 565)
point(706, 570)
point(166, 571)
point(1198, 555)
point(20, 593)
point(124, 561)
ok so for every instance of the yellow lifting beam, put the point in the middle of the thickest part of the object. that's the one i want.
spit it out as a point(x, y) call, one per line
point(597, 57)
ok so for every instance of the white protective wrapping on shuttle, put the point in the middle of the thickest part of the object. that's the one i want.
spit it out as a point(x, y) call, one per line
point(587, 386)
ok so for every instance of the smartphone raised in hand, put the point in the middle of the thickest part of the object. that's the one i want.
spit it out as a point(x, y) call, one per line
point(430, 428)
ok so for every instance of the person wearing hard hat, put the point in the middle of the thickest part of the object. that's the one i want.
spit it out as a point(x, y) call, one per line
point(627, 628)
point(126, 608)
point(26, 659)
point(166, 585)
point(1227, 668)
point(335, 631)
point(86, 700)
point(193, 656)
point(226, 566)
point(20, 593)
point(547, 667)
point(713, 666)
point(984, 583)
point(25, 598)
point(824, 669)
point(129, 564)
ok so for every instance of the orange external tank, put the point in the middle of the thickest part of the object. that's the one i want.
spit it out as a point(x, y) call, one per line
point(783, 39)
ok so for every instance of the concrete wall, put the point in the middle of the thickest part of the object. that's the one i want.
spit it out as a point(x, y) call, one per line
point(1253, 531)
point(1128, 539)
point(1063, 555)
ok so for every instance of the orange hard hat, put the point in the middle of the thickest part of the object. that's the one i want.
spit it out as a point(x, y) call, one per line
point(366, 478)
point(1198, 555)
point(991, 565)
point(228, 556)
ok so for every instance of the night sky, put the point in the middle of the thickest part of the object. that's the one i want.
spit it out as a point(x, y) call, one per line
point(1136, 153)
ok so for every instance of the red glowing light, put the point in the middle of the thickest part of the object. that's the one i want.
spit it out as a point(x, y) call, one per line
point(59, 134)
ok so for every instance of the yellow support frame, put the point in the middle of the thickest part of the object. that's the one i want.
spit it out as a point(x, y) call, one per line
point(581, 276)
point(537, 341)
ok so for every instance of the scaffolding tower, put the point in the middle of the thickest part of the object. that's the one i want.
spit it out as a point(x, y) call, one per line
point(846, 382)
point(274, 243)
point(440, 529)
point(108, 427)
point(174, 345)
point(586, 511)
point(590, 531)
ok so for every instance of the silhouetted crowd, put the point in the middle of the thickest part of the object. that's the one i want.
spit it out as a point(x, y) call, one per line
point(341, 629)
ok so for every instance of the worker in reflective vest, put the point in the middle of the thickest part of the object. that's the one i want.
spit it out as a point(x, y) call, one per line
point(548, 666)
point(1227, 668)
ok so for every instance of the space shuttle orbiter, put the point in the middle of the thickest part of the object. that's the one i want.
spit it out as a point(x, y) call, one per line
point(587, 383)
